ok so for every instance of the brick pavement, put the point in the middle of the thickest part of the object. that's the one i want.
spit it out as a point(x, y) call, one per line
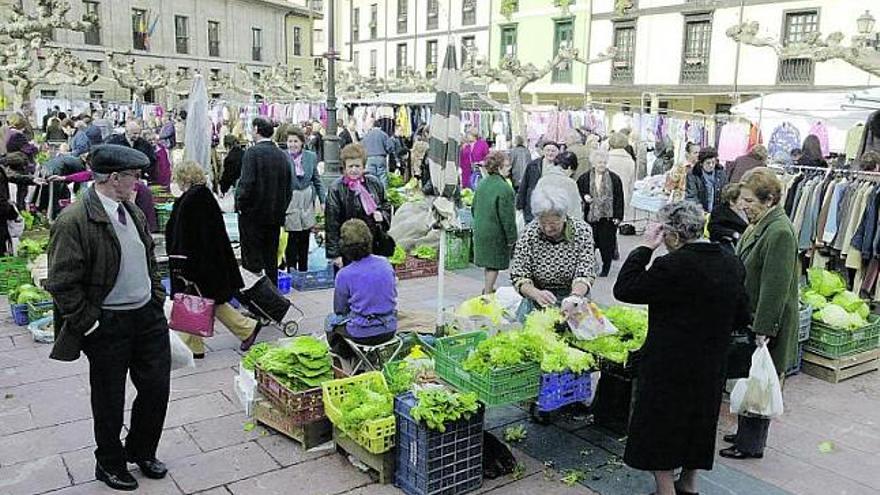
point(46, 438)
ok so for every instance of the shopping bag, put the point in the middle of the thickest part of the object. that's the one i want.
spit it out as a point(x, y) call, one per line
point(192, 314)
point(761, 393)
point(585, 319)
point(181, 356)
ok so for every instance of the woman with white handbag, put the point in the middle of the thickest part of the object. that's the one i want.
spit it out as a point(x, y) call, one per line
point(204, 271)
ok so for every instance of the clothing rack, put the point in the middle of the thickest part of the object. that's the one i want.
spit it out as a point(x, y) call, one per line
point(830, 170)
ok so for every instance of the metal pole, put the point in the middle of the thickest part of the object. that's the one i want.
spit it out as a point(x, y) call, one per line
point(332, 168)
point(742, 7)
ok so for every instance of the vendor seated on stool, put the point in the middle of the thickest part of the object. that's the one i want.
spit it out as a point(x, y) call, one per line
point(365, 301)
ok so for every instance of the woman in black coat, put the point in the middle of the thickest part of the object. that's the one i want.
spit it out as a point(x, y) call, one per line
point(727, 221)
point(695, 299)
point(706, 180)
point(200, 252)
point(357, 195)
point(601, 192)
point(231, 164)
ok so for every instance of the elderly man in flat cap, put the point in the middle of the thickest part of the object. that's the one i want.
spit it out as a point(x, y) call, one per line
point(104, 280)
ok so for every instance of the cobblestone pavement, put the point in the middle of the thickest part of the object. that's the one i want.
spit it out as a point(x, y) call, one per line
point(46, 436)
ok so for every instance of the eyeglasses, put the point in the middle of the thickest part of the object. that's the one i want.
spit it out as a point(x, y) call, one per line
point(135, 175)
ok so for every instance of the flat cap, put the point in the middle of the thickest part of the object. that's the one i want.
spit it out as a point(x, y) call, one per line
point(109, 158)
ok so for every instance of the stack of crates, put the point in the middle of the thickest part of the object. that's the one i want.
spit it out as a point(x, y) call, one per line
point(299, 415)
point(805, 320)
point(432, 462)
point(834, 343)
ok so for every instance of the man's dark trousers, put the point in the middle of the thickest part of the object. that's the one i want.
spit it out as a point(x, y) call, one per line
point(136, 342)
point(259, 246)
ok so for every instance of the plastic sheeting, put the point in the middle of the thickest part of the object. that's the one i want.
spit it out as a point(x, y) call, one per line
point(198, 126)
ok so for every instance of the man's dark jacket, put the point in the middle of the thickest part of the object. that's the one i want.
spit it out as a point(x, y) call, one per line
point(84, 256)
point(530, 179)
point(265, 186)
point(141, 145)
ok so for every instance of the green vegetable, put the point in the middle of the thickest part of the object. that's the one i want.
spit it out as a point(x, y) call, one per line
point(249, 426)
point(399, 377)
point(629, 321)
point(824, 282)
point(813, 298)
point(249, 361)
point(467, 197)
point(395, 180)
point(852, 303)
point(439, 407)
point(302, 364)
point(31, 248)
point(395, 198)
point(365, 402)
point(837, 317)
point(573, 477)
point(632, 326)
point(516, 433)
point(425, 253)
point(399, 256)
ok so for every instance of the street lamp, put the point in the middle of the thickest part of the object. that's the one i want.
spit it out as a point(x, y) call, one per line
point(332, 167)
point(865, 23)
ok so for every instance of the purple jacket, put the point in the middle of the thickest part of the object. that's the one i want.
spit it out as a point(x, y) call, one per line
point(366, 291)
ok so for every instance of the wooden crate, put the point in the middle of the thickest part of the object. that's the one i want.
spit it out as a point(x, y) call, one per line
point(382, 465)
point(308, 435)
point(838, 370)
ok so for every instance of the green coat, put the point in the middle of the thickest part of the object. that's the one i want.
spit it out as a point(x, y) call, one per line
point(494, 223)
point(768, 250)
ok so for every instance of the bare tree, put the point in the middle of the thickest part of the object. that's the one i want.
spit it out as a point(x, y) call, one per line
point(28, 58)
point(139, 82)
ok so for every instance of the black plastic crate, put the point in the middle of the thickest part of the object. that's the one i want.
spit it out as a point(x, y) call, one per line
point(433, 463)
point(613, 402)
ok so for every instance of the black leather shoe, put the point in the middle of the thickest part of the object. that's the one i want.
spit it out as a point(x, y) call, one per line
point(730, 438)
point(119, 479)
point(249, 341)
point(733, 453)
point(152, 468)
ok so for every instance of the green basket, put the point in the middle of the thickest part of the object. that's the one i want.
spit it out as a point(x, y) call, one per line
point(458, 249)
point(40, 310)
point(835, 343)
point(499, 387)
point(162, 217)
point(377, 436)
point(13, 272)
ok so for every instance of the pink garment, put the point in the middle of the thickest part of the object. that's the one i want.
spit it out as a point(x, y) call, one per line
point(163, 167)
point(464, 163)
point(479, 151)
point(733, 143)
point(79, 177)
point(298, 163)
point(820, 131)
point(360, 189)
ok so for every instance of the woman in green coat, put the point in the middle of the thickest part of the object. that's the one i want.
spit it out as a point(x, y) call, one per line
point(768, 249)
point(494, 220)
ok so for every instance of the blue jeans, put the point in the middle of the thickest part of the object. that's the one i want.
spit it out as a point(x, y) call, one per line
point(378, 166)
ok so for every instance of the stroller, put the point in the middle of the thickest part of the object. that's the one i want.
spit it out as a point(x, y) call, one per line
point(264, 303)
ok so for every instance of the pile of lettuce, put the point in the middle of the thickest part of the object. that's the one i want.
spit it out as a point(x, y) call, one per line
point(28, 294)
point(395, 180)
point(302, 364)
point(632, 330)
point(395, 197)
point(365, 401)
point(833, 304)
point(399, 256)
point(439, 406)
point(250, 358)
point(467, 197)
point(425, 253)
point(537, 342)
point(31, 248)
point(416, 368)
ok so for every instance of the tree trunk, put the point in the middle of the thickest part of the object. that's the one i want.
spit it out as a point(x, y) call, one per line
point(22, 94)
point(517, 114)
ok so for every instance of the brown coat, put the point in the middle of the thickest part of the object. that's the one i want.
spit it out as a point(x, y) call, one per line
point(84, 256)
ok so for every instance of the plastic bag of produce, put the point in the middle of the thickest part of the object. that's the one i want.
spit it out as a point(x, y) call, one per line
point(586, 319)
point(181, 356)
point(760, 393)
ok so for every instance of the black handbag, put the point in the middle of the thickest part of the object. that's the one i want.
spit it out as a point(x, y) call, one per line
point(739, 354)
point(383, 244)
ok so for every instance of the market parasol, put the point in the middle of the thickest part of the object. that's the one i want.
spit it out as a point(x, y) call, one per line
point(443, 150)
point(197, 147)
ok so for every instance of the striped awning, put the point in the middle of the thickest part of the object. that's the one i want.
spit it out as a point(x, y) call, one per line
point(445, 139)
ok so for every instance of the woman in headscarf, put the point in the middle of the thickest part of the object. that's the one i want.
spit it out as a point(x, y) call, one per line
point(602, 193)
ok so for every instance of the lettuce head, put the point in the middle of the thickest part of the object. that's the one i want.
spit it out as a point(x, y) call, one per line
point(824, 282)
point(814, 299)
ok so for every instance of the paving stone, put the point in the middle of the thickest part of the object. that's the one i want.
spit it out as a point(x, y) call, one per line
point(287, 452)
point(325, 476)
point(376, 489)
point(7, 343)
point(220, 490)
point(26, 341)
point(538, 484)
point(43, 370)
point(501, 416)
point(222, 340)
point(34, 444)
point(164, 486)
point(15, 420)
point(193, 409)
point(220, 467)
point(216, 360)
point(530, 466)
point(57, 401)
point(215, 433)
point(23, 357)
point(200, 383)
point(36, 476)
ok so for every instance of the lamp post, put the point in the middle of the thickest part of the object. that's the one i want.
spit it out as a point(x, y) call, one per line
point(865, 26)
point(332, 168)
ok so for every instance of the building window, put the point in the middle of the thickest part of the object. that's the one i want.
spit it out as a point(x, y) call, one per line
point(257, 44)
point(139, 29)
point(356, 25)
point(96, 95)
point(183, 72)
point(508, 41)
point(469, 12)
point(319, 35)
point(563, 37)
point(374, 57)
point(402, 13)
point(48, 93)
point(356, 61)
point(433, 14)
point(468, 44)
point(96, 66)
point(798, 25)
point(431, 59)
point(215, 74)
point(213, 39)
point(622, 68)
point(257, 75)
point(92, 36)
point(695, 57)
point(181, 34)
point(374, 21)
point(401, 58)
point(297, 41)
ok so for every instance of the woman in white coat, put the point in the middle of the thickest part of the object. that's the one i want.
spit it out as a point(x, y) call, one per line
point(621, 163)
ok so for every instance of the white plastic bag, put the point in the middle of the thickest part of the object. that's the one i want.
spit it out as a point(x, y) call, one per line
point(181, 356)
point(760, 393)
point(585, 319)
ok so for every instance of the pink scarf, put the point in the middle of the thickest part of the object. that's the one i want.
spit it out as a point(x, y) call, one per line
point(358, 187)
point(298, 163)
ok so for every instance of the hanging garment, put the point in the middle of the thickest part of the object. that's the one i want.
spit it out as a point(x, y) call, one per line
point(820, 131)
point(733, 143)
point(853, 139)
point(785, 138)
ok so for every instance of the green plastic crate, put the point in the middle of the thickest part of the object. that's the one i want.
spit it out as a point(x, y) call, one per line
point(375, 435)
point(458, 249)
point(834, 343)
point(499, 387)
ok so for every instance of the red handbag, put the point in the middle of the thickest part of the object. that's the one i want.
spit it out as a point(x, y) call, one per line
point(192, 314)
